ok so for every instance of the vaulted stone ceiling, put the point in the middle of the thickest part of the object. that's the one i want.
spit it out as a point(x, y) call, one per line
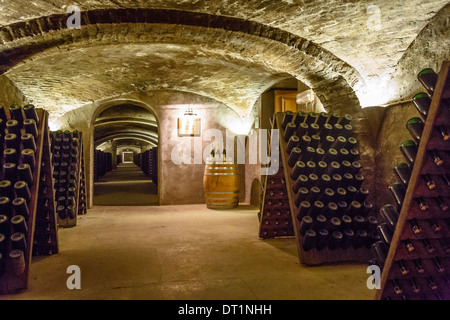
point(228, 50)
point(127, 125)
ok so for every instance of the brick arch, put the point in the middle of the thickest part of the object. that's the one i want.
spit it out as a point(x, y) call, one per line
point(333, 80)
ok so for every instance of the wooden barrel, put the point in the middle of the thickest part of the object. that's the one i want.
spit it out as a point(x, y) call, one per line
point(221, 185)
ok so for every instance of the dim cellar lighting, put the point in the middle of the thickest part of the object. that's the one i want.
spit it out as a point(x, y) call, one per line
point(189, 125)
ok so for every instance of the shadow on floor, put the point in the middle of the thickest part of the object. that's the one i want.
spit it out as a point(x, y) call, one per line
point(126, 186)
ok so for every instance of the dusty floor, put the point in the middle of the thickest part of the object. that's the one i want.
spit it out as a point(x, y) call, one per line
point(184, 252)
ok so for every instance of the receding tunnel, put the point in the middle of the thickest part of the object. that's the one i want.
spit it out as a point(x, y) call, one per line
point(126, 138)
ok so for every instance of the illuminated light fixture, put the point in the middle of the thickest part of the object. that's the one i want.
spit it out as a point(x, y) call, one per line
point(305, 97)
point(189, 125)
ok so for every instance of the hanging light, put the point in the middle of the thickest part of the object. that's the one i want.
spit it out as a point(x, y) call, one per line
point(189, 124)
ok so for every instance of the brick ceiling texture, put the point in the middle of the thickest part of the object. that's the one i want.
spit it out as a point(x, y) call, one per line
point(231, 51)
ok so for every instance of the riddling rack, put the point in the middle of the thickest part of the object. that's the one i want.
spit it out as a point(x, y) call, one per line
point(148, 162)
point(275, 219)
point(331, 215)
point(416, 264)
point(68, 164)
point(26, 185)
point(102, 164)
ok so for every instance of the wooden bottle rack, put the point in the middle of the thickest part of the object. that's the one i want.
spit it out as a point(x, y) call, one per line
point(40, 222)
point(438, 114)
point(275, 219)
point(66, 221)
point(311, 257)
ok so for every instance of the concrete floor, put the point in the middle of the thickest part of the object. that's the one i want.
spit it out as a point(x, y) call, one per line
point(184, 252)
point(115, 188)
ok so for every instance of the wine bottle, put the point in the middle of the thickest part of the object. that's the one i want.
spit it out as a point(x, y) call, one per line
point(409, 151)
point(293, 142)
point(334, 118)
point(445, 179)
point(309, 240)
point(327, 142)
point(325, 130)
point(334, 168)
point(304, 208)
point(444, 133)
point(336, 180)
point(22, 190)
point(322, 239)
point(302, 194)
point(340, 194)
point(30, 112)
point(30, 126)
point(321, 167)
point(347, 180)
point(290, 131)
point(428, 78)
point(428, 181)
point(422, 102)
point(415, 227)
point(335, 240)
point(299, 118)
point(310, 168)
point(418, 266)
point(311, 118)
point(331, 210)
point(300, 182)
point(19, 224)
point(16, 113)
point(414, 285)
point(438, 265)
point(10, 155)
point(21, 207)
point(380, 251)
point(438, 160)
point(302, 129)
point(319, 223)
point(362, 195)
point(409, 246)
point(327, 195)
point(428, 246)
point(349, 237)
point(6, 207)
point(398, 192)
point(415, 127)
point(421, 203)
point(343, 154)
point(389, 215)
point(313, 129)
point(305, 225)
point(294, 156)
point(396, 287)
point(385, 232)
point(322, 118)
point(316, 209)
point(4, 224)
point(308, 154)
point(336, 131)
point(297, 170)
point(28, 141)
point(304, 142)
point(18, 241)
point(402, 267)
point(12, 141)
point(442, 204)
point(287, 118)
point(315, 141)
point(403, 172)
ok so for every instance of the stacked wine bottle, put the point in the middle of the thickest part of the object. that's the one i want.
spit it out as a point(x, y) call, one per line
point(331, 209)
point(24, 146)
point(102, 164)
point(414, 253)
point(67, 167)
point(148, 162)
point(275, 213)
